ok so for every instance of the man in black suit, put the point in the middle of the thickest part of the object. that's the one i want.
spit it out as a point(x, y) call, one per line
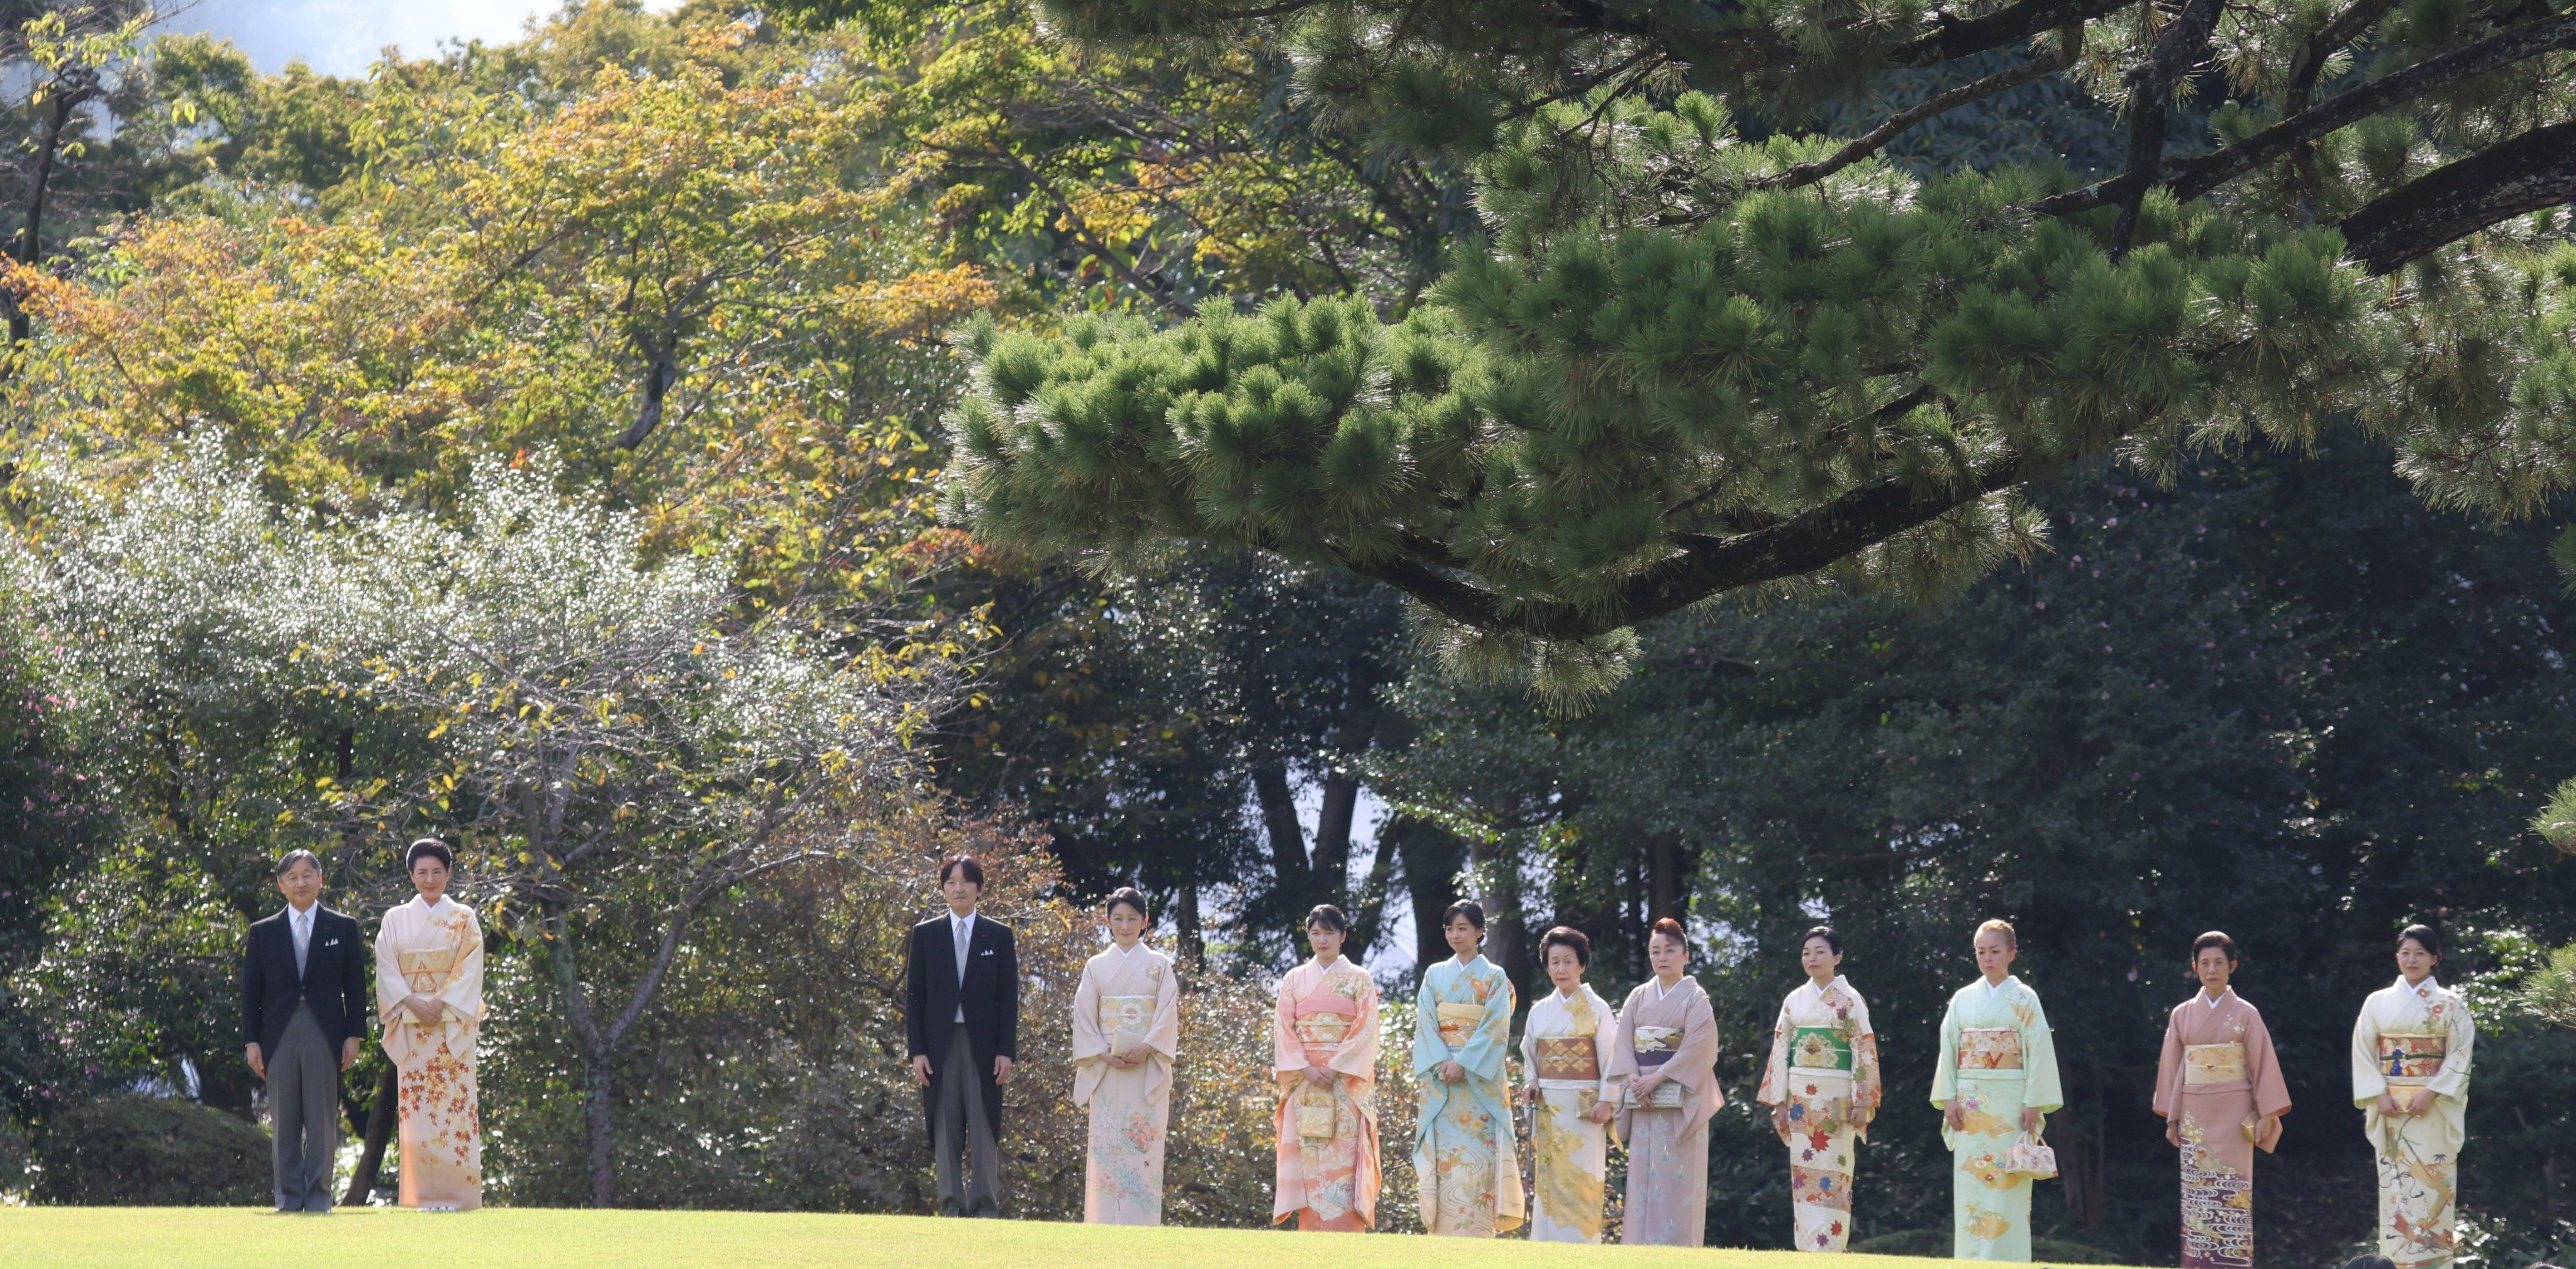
point(962, 1019)
point(304, 1018)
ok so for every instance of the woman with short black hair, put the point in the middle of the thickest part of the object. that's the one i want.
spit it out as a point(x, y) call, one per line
point(429, 995)
point(1823, 1089)
point(1465, 1153)
point(1126, 1033)
point(1566, 1048)
point(2410, 1077)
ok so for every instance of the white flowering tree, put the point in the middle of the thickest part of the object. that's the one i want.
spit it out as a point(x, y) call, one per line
point(615, 742)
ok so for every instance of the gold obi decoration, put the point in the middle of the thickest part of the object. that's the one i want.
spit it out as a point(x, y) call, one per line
point(1567, 1058)
point(1819, 1049)
point(1989, 1049)
point(2213, 1063)
point(427, 972)
point(2412, 1057)
point(1318, 1027)
point(1126, 1020)
point(1458, 1023)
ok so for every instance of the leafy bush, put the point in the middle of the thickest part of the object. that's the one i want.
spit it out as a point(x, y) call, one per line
point(135, 1151)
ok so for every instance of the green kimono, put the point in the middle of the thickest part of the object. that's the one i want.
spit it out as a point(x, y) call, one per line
point(1996, 1058)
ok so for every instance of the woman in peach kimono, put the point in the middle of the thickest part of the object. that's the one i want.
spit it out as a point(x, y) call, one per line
point(1667, 1054)
point(1325, 1033)
point(429, 997)
point(2219, 1087)
point(1126, 1032)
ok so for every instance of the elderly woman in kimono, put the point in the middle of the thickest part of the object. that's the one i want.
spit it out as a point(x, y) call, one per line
point(1126, 1031)
point(1566, 1047)
point(1995, 1081)
point(429, 996)
point(1822, 1087)
point(1325, 1034)
point(2410, 1077)
point(1667, 1056)
point(2218, 1085)
point(1464, 1150)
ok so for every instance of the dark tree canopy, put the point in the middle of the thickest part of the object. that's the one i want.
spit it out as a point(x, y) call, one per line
point(1716, 340)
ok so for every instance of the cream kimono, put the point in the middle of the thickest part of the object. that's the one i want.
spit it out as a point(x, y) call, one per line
point(1328, 1139)
point(434, 952)
point(1465, 1152)
point(1567, 1047)
point(1671, 1034)
point(2413, 1043)
point(1126, 999)
point(1823, 1067)
point(1996, 1058)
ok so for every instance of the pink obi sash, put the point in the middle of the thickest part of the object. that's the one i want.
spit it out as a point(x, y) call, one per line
point(1321, 1022)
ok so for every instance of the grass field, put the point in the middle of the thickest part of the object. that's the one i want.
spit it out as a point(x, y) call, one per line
point(222, 1238)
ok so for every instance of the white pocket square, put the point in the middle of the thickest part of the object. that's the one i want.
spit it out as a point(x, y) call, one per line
point(330, 942)
point(986, 952)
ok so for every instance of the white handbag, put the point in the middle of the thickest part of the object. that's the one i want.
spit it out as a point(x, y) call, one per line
point(2030, 1157)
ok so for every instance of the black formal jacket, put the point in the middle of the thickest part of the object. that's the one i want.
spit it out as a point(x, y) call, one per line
point(990, 996)
point(335, 982)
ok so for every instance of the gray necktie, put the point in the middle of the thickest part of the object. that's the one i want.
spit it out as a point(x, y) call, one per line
point(303, 940)
point(960, 930)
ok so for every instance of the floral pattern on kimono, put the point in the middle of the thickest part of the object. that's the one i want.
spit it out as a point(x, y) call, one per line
point(1823, 1066)
point(1673, 1034)
point(1566, 1047)
point(438, 953)
point(1996, 1058)
point(2218, 1081)
point(1465, 1151)
point(1125, 998)
point(1328, 1167)
point(2415, 1043)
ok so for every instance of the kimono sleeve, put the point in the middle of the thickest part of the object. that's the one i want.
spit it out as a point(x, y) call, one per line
point(463, 994)
point(391, 989)
point(1775, 1072)
point(2453, 1079)
point(1088, 1044)
point(2263, 1069)
point(2367, 1080)
point(1945, 1069)
point(1605, 1049)
point(1429, 1050)
point(2169, 1068)
point(1357, 1058)
point(2040, 1089)
point(1288, 1057)
point(1867, 1090)
point(1165, 1035)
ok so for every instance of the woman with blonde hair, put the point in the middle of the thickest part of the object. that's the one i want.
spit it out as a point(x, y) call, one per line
point(1995, 1082)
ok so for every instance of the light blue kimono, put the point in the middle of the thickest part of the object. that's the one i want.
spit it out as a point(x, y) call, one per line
point(1463, 1153)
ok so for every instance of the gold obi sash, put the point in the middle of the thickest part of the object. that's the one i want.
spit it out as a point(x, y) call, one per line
point(427, 972)
point(2213, 1064)
point(1126, 1020)
point(1989, 1049)
point(2412, 1057)
point(1819, 1049)
point(1321, 1023)
point(1568, 1058)
point(1458, 1023)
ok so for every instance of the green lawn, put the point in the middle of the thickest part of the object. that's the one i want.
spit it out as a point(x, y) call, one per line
point(223, 1238)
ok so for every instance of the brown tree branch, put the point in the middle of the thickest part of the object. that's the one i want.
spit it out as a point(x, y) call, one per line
point(2533, 171)
point(1869, 142)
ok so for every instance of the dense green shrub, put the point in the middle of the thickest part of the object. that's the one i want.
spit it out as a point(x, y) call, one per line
point(135, 1151)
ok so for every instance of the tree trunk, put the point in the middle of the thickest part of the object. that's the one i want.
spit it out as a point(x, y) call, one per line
point(1369, 921)
point(1504, 937)
point(1185, 919)
point(1431, 859)
point(1279, 820)
point(1664, 886)
point(1333, 837)
point(595, 1054)
point(380, 1129)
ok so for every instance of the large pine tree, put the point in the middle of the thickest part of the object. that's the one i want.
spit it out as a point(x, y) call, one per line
point(1717, 339)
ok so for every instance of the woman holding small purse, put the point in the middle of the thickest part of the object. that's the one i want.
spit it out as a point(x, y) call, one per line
point(1126, 1031)
point(1465, 1154)
point(1566, 1047)
point(1667, 1054)
point(1995, 1083)
point(1325, 1032)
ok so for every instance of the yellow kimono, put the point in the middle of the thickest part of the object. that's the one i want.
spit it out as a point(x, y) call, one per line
point(2414, 1043)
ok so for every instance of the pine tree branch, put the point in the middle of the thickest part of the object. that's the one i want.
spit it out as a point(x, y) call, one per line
point(1966, 37)
point(1872, 141)
point(2181, 46)
point(1707, 565)
point(2195, 177)
point(2531, 172)
point(2311, 60)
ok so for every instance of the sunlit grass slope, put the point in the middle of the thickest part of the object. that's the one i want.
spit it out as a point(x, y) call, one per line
point(217, 1238)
